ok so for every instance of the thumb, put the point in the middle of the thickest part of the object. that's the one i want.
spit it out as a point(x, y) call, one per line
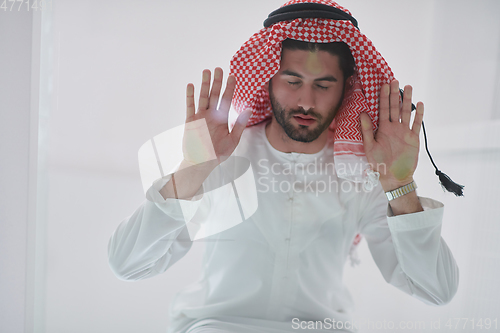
point(240, 124)
point(366, 130)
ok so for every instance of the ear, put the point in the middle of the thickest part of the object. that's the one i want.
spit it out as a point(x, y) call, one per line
point(266, 86)
point(349, 82)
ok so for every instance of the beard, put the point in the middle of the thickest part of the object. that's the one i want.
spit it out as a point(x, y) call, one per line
point(302, 133)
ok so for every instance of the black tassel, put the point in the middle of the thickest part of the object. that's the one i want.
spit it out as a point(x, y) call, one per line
point(449, 184)
point(446, 182)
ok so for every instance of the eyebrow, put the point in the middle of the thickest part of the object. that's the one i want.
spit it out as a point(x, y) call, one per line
point(328, 78)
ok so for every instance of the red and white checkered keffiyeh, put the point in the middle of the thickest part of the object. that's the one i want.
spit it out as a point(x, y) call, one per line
point(258, 60)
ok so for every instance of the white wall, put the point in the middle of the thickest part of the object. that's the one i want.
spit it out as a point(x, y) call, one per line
point(19, 77)
point(120, 70)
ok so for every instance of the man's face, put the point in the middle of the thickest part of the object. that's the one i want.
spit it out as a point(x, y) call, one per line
point(306, 93)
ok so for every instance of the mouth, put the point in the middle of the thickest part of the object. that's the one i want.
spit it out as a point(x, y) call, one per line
point(304, 120)
point(304, 116)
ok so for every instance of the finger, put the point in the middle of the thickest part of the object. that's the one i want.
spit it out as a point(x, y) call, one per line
point(216, 86)
point(384, 102)
point(190, 108)
point(367, 131)
point(240, 124)
point(205, 88)
point(419, 117)
point(227, 97)
point(406, 109)
point(394, 101)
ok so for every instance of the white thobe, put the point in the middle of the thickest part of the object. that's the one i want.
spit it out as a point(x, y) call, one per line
point(285, 262)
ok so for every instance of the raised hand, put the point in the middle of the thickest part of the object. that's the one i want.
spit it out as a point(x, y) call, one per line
point(207, 141)
point(393, 150)
point(198, 145)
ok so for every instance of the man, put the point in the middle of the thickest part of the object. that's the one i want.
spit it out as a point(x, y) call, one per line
point(281, 268)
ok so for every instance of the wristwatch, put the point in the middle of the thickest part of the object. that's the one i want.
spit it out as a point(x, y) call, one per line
point(400, 191)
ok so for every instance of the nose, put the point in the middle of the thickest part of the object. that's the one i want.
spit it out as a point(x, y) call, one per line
point(306, 98)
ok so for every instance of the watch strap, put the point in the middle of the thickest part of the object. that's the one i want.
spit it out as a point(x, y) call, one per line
point(400, 191)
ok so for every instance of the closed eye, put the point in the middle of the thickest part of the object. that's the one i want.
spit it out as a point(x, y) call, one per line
point(293, 83)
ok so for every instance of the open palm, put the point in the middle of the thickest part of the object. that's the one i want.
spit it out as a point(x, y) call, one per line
point(206, 133)
point(393, 150)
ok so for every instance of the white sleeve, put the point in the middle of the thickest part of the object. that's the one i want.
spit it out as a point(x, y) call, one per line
point(154, 237)
point(409, 250)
